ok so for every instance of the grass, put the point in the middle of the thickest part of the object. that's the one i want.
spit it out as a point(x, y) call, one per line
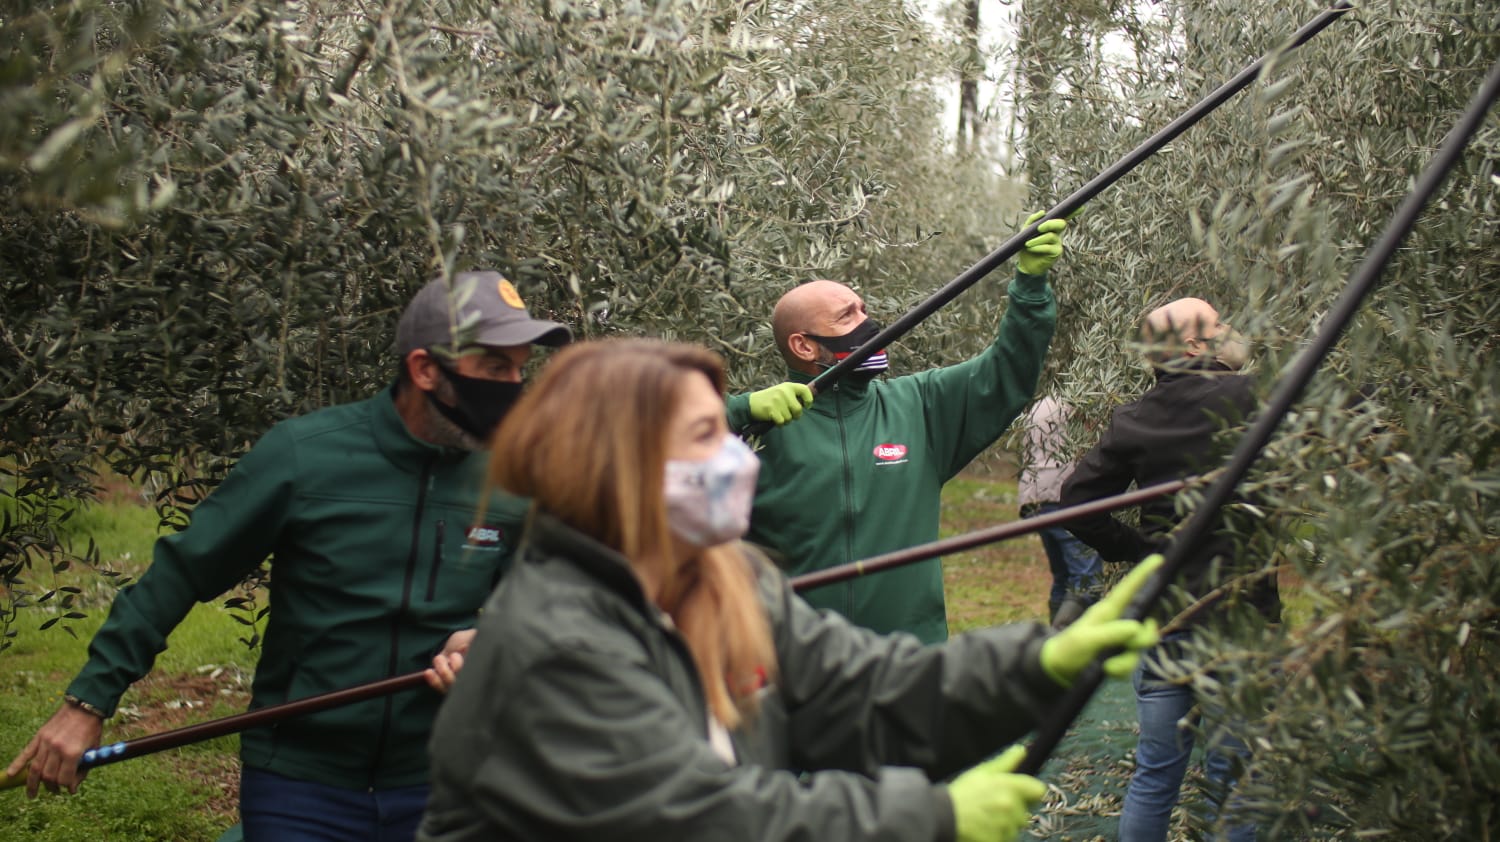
point(182, 794)
point(999, 583)
point(190, 794)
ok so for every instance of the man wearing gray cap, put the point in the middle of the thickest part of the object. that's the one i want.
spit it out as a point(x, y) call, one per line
point(382, 558)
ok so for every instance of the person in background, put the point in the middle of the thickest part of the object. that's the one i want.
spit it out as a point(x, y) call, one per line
point(1077, 571)
point(1168, 434)
point(380, 564)
point(641, 673)
point(862, 472)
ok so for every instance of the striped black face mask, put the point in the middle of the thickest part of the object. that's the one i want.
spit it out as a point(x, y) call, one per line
point(843, 346)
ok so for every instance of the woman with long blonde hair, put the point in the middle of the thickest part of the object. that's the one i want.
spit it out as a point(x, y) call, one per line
point(642, 674)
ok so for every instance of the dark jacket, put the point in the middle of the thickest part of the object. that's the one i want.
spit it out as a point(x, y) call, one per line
point(377, 560)
point(579, 716)
point(861, 472)
point(1167, 434)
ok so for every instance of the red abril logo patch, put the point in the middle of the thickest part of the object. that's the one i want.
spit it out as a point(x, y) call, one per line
point(484, 537)
point(890, 452)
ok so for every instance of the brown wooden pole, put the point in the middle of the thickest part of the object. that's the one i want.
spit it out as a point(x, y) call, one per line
point(115, 752)
point(968, 540)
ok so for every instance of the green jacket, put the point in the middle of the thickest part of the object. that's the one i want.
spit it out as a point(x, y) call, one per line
point(378, 558)
point(861, 472)
point(579, 716)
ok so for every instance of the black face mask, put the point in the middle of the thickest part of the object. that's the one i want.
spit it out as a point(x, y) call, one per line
point(481, 403)
point(843, 346)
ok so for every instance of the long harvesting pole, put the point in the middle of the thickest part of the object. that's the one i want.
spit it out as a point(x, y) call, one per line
point(272, 714)
point(994, 534)
point(1286, 392)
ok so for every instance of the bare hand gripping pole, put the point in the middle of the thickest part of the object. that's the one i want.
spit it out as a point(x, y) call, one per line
point(1287, 390)
point(177, 737)
point(272, 714)
point(1062, 210)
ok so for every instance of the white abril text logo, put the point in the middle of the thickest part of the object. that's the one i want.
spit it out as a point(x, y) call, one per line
point(889, 454)
point(483, 538)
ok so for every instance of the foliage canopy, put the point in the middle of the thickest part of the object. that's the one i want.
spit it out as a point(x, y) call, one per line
point(216, 211)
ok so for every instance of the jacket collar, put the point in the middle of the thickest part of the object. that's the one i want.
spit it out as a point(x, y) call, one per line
point(550, 537)
point(1198, 368)
point(396, 441)
point(853, 386)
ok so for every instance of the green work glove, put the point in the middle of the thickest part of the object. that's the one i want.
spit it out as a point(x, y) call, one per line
point(780, 403)
point(1068, 652)
point(1043, 250)
point(990, 802)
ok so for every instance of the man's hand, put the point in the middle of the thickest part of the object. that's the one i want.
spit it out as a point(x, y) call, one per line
point(1043, 250)
point(781, 403)
point(447, 663)
point(990, 802)
point(1100, 629)
point(55, 750)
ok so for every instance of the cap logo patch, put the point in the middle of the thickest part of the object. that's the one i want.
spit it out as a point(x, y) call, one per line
point(509, 295)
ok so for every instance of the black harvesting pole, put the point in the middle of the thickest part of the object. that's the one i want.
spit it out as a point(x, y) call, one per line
point(1285, 393)
point(1062, 210)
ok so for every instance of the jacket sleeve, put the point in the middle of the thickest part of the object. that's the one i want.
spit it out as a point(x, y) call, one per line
point(861, 701)
point(969, 405)
point(1106, 470)
point(737, 411)
point(597, 747)
point(231, 532)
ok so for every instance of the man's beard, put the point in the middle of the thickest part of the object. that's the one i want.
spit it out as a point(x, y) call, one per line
point(444, 432)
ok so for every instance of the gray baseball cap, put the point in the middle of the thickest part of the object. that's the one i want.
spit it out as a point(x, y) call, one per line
point(477, 308)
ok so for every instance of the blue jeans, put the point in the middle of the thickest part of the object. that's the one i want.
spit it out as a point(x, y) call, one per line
point(1161, 760)
point(1076, 568)
point(275, 808)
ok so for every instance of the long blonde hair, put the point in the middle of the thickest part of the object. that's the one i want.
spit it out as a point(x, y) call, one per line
point(587, 443)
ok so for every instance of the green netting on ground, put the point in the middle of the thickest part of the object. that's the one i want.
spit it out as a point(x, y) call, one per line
point(1087, 775)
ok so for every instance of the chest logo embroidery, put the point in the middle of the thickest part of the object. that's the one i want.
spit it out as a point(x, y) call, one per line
point(483, 538)
point(890, 454)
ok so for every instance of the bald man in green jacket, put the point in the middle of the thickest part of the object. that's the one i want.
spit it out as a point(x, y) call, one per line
point(861, 473)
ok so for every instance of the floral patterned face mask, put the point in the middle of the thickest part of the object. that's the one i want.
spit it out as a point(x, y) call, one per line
point(708, 501)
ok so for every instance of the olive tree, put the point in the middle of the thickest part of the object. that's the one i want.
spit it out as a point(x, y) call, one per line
point(1370, 710)
point(216, 211)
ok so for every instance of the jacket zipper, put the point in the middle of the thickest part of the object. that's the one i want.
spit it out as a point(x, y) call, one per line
point(838, 410)
point(437, 560)
point(411, 572)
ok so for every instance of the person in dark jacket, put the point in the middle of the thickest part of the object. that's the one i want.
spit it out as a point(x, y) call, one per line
point(862, 472)
point(642, 674)
point(380, 566)
point(1166, 434)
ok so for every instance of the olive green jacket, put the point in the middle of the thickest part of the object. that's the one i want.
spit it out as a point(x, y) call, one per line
point(862, 471)
point(579, 716)
point(377, 558)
